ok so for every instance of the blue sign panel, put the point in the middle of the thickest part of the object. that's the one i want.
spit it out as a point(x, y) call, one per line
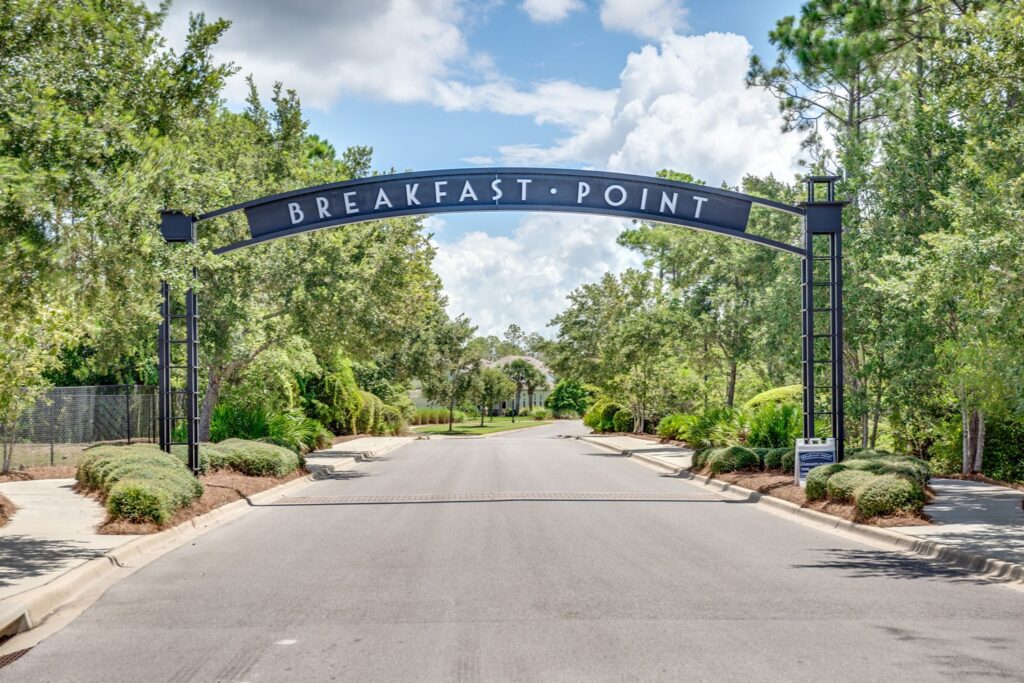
point(808, 460)
point(496, 189)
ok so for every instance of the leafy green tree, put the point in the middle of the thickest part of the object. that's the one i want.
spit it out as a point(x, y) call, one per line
point(455, 364)
point(569, 395)
point(533, 381)
point(518, 371)
point(492, 387)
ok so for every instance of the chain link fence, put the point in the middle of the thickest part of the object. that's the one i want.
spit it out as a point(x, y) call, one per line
point(64, 421)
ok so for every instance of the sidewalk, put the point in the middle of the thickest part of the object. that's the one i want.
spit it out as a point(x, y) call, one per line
point(53, 530)
point(976, 525)
point(674, 456)
point(976, 517)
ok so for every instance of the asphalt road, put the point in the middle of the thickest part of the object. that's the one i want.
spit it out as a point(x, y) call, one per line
point(621, 573)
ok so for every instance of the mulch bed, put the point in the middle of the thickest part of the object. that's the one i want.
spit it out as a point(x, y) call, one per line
point(42, 472)
point(220, 488)
point(7, 509)
point(782, 486)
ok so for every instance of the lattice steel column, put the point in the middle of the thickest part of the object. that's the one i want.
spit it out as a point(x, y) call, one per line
point(178, 227)
point(822, 289)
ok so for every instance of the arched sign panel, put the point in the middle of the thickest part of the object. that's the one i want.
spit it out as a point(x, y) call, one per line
point(532, 189)
point(501, 189)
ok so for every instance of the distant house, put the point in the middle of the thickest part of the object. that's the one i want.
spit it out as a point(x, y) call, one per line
point(540, 394)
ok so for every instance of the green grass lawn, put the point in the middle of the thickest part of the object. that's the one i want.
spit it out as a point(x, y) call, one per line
point(470, 427)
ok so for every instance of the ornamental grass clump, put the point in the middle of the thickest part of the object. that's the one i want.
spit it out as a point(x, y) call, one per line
point(139, 483)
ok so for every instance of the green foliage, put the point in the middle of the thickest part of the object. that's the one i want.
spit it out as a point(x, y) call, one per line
point(888, 494)
point(368, 419)
point(712, 427)
point(912, 469)
point(394, 421)
point(791, 394)
point(775, 425)
point(333, 398)
point(787, 458)
point(773, 459)
point(670, 426)
point(539, 413)
point(732, 459)
point(1004, 449)
point(700, 458)
point(290, 429)
point(601, 415)
point(622, 421)
point(569, 396)
point(140, 483)
point(843, 486)
point(251, 458)
point(817, 480)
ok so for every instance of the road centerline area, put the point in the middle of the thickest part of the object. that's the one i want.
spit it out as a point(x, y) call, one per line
point(569, 563)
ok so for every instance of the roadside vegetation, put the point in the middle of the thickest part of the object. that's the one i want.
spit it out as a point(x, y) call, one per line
point(145, 489)
point(491, 425)
point(933, 323)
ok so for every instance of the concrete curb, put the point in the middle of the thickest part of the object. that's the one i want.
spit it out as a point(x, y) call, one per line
point(988, 567)
point(27, 610)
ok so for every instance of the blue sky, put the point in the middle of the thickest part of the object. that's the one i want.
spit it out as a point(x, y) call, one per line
point(623, 85)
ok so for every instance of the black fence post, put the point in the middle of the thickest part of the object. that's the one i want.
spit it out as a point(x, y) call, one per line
point(128, 413)
point(53, 425)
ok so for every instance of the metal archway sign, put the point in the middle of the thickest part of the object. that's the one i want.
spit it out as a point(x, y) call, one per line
point(536, 189)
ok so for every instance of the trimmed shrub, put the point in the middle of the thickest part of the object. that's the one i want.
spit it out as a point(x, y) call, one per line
point(539, 413)
point(670, 425)
point(622, 421)
point(817, 480)
point(792, 394)
point(913, 469)
point(253, 458)
point(762, 455)
point(786, 460)
point(600, 416)
point(773, 459)
point(713, 427)
point(888, 494)
point(732, 459)
point(140, 483)
point(842, 486)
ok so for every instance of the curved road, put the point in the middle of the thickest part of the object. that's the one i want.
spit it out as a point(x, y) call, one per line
point(611, 572)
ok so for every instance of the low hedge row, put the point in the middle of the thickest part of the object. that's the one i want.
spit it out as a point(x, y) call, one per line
point(140, 483)
point(251, 458)
point(878, 484)
point(767, 459)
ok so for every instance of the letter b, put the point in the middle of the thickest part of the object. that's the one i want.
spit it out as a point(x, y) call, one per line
point(296, 212)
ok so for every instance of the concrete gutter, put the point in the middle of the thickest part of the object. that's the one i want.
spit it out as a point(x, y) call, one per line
point(80, 587)
point(987, 567)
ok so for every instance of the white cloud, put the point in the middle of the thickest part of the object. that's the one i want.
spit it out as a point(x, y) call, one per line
point(550, 11)
point(480, 160)
point(682, 105)
point(644, 18)
point(524, 279)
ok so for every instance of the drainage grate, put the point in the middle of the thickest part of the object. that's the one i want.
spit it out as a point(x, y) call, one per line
point(7, 659)
point(498, 497)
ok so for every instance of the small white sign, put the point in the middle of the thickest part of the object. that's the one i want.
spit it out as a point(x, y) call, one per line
point(811, 453)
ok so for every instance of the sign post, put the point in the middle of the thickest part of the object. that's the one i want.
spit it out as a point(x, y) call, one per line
point(811, 453)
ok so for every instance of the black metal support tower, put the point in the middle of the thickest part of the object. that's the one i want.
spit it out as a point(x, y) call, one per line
point(176, 330)
point(822, 290)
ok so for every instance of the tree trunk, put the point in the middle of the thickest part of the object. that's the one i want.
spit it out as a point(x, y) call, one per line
point(876, 414)
point(7, 442)
point(730, 388)
point(529, 393)
point(451, 414)
point(213, 384)
point(973, 422)
point(481, 414)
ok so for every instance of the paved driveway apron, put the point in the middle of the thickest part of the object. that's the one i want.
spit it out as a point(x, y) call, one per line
point(529, 557)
